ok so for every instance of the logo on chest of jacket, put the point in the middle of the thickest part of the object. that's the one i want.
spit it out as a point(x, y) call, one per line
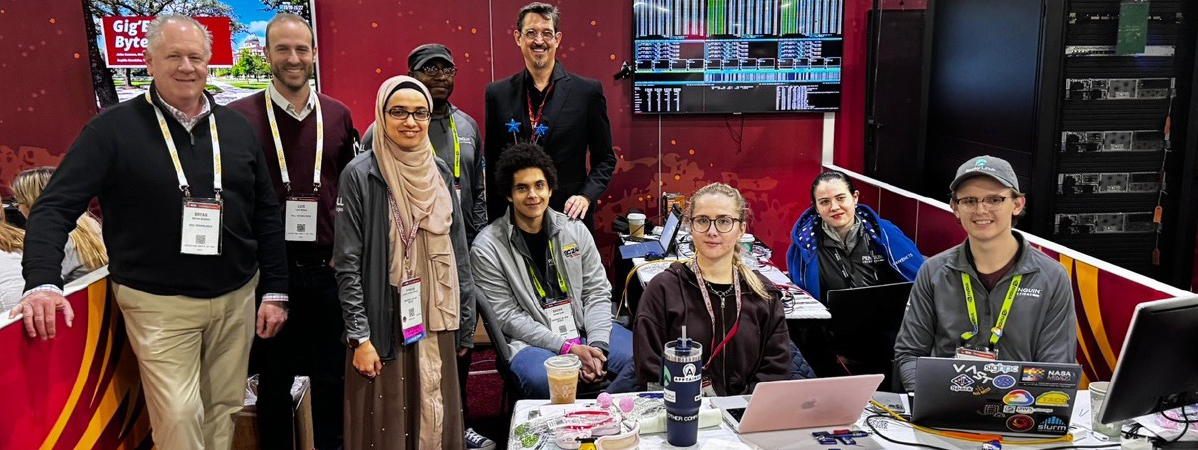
point(872, 259)
point(570, 250)
point(1029, 292)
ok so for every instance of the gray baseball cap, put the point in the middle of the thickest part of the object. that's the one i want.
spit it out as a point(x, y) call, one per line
point(987, 165)
point(423, 54)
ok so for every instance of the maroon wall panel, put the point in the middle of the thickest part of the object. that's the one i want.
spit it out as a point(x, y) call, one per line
point(45, 83)
point(771, 158)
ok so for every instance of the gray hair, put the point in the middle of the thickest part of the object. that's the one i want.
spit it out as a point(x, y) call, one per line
point(154, 30)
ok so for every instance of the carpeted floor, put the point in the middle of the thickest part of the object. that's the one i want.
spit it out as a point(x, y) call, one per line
point(484, 393)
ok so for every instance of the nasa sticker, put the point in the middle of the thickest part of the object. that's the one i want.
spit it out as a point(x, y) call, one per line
point(1020, 423)
point(1004, 382)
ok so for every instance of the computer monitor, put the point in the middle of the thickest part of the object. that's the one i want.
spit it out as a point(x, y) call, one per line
point(1158, 367)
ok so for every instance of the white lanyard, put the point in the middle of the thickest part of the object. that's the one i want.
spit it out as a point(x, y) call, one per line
point(274, 132)
point(170, 146)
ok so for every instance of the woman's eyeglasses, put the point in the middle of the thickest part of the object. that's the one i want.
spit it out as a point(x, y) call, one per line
point(723, 224)
point(421, 115)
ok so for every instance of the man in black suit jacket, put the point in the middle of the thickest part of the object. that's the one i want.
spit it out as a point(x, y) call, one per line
point(564, 113)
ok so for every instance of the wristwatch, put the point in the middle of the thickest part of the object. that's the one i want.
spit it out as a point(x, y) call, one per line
point(355, 343)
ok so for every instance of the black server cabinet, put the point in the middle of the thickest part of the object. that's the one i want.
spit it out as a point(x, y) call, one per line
point(1100, 140)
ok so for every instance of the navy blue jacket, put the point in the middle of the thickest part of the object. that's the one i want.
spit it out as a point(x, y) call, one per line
point(802, 258)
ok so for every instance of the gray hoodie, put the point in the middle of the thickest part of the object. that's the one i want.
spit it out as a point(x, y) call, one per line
point(501, 275)
point(1040, 327)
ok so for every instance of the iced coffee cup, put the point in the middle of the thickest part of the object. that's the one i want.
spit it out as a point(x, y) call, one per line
point(562, 371)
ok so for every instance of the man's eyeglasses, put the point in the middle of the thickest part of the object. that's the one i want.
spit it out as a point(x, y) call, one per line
point(546, 35)
point(421, 115)
point(433, 71)
point(723, 224)
point(992, 203)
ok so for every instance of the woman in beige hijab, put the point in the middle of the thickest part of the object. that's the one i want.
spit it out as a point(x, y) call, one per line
point(405, 285)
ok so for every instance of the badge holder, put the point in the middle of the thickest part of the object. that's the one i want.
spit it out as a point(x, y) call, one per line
point(202, 224)
point(411, 317)
point(561, 319)
point(300, 217)
point(973, 354)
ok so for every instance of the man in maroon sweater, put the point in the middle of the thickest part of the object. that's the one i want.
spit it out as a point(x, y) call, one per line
point(297, 126)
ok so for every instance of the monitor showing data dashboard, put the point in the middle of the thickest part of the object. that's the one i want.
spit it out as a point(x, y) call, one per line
point(737, 56)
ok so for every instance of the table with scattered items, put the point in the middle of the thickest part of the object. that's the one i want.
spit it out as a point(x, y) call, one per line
point(532, 420)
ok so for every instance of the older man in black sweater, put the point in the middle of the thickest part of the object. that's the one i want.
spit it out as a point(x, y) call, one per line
point(191, 223)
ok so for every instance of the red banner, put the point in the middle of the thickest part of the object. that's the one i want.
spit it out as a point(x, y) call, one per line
point(125, 40)
point(78, 390)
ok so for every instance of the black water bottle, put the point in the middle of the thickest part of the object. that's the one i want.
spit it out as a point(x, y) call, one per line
point(680, 381)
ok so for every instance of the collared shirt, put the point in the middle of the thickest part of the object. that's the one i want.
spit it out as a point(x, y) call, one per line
point(189, 122)
point(849, 242)
point(278, 98)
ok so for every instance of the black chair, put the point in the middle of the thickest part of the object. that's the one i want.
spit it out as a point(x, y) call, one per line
point(511, 392)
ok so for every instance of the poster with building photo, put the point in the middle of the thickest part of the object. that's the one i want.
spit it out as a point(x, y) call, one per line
point(117, 41)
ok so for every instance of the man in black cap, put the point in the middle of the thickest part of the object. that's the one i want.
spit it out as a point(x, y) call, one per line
point(454, 136)
point(452, 132)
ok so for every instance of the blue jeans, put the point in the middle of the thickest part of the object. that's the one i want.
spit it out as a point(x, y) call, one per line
point(529, 366)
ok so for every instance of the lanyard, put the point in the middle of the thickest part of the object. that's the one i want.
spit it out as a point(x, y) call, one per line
point(406, 238)
point(534, 118)
point(457, 149)
point(711, 313)
point(274, 132)
point(996, 332)
point(170, 146)
point(536, 283)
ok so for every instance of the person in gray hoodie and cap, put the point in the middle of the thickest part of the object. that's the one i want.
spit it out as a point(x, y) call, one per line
point(540, 276)
point(993, 296)
point(453, 133)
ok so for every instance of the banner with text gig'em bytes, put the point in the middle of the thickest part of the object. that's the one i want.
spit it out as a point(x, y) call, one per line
point(125, 41)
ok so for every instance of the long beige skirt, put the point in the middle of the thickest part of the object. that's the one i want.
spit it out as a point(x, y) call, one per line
point(386, 413)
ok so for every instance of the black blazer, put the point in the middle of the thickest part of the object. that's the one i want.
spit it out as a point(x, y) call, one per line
point(576, 114)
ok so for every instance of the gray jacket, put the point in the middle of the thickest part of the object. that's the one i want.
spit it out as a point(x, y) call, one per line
point(502, 277)
point(472, 182)
point(1040, 327)
point(362, 256)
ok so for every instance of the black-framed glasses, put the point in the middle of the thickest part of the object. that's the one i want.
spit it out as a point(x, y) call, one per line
point(992, 202)
point(421, 115)
point(433, 71)
point(546, 35)
point(723, 224)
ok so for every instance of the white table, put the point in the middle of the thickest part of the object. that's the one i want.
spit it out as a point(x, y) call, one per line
point(723, 438)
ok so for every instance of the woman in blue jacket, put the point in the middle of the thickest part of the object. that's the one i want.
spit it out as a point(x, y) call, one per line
point(838, 244)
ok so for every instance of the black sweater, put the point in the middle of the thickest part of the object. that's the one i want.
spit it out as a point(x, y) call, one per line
point(120, 157)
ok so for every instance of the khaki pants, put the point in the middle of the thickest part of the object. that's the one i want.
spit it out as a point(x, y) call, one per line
point(192, 354)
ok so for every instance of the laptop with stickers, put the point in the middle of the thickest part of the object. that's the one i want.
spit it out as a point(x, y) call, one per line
point(1007, 397)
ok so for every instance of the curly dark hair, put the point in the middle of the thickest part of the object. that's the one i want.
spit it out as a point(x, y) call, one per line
point(522, 156)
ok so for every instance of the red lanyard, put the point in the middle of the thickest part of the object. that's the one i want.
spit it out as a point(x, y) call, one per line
point(711, 313)
point(406, 238)
point(534, 119)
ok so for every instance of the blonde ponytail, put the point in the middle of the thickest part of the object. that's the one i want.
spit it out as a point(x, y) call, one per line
point(88, 242)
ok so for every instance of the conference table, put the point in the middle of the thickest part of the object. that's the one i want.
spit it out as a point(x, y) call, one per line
point(722, 437)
